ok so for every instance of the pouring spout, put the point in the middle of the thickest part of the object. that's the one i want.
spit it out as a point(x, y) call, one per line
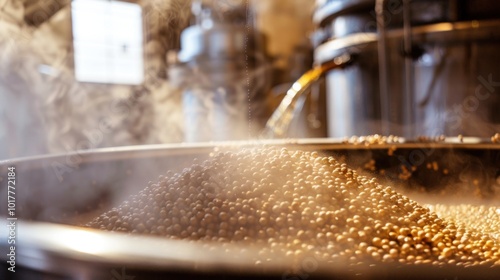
point(277, 126)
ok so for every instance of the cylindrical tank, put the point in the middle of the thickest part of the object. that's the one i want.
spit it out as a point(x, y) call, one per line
point(423, 67)
point(221, 71)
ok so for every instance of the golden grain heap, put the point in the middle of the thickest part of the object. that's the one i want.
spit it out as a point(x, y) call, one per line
point(298, 204)
point(480, 217)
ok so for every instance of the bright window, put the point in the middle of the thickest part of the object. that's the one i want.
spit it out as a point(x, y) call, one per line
point(108, 41)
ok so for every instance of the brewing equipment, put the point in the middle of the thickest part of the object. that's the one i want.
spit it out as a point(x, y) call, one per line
point(142, 212)
point(422, 67)
point(221, 70)
point(59, 197)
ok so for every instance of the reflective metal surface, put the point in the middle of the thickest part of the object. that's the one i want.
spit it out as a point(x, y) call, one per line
point(58, 193)
point(424, 67)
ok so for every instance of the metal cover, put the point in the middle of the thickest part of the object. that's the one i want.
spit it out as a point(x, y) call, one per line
point(220, 41)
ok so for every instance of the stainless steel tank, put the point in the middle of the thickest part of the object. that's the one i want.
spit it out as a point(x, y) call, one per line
point(222, 71)
point(423, 68)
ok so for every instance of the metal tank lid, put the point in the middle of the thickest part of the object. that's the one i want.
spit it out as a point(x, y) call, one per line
point(220, 41)
point(221, 30)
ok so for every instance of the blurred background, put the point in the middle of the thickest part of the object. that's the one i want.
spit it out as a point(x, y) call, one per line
point(86, 74)
point(91, 73)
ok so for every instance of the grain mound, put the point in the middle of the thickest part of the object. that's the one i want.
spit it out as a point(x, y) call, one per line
point(298, 204)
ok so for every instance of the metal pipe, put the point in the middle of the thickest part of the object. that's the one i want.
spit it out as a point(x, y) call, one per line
point(383, 71)
point(278, 124)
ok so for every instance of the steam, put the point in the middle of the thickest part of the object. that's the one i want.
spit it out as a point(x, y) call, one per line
point(43, 103)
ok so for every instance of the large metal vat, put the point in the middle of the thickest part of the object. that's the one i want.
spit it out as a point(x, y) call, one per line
point(56, 194)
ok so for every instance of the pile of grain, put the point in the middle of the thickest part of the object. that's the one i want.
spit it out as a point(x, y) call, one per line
point(485, 219)
point(298, 204)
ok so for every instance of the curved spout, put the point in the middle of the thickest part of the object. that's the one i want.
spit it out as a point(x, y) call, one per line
point(277, 126)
